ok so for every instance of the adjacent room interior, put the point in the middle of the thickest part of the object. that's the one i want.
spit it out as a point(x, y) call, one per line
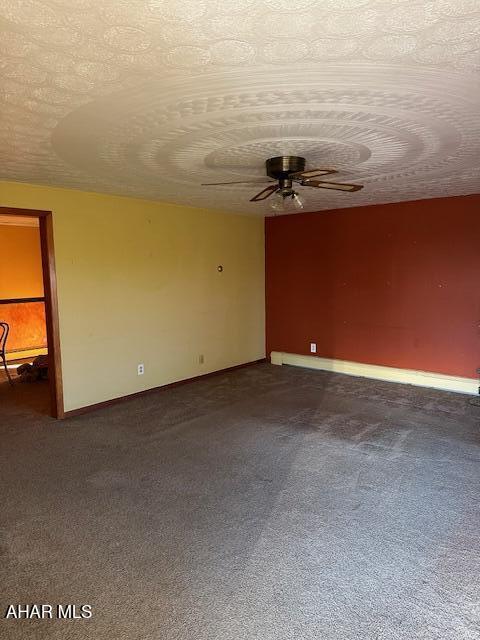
point(23, 346)
point(240, 320)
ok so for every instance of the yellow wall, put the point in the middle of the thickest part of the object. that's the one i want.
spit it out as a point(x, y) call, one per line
point(20, 262)
point(138, 283)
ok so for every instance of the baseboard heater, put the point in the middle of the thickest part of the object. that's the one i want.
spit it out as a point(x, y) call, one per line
point(378, 372)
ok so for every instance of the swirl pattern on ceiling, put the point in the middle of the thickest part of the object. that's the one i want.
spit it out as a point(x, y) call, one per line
point(153, 98)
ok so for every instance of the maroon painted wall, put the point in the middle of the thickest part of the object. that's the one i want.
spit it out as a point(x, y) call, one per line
point(395, 285)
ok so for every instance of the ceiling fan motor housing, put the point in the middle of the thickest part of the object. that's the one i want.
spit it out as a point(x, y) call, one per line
point(282, 166)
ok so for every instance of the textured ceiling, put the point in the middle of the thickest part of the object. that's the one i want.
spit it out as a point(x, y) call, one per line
point(152, 98)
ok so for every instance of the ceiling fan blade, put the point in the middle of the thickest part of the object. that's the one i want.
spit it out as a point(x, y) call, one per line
point(263, 195)
point(338, 186)
point(312, 173)
point(215, 184)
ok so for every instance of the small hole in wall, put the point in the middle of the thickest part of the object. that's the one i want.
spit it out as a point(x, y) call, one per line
point(220, 268)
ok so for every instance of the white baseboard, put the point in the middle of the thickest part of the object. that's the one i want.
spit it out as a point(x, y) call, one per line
point(377, 372)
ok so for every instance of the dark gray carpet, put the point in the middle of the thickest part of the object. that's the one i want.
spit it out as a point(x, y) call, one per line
point(270, 503)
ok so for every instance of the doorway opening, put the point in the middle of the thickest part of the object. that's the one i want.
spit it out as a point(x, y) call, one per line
point(28, 306)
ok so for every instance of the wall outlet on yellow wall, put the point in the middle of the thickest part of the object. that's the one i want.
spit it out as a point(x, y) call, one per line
point(201, 359)
point(141, 369)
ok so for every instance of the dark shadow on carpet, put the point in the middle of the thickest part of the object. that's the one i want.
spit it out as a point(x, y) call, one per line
point(268, 503)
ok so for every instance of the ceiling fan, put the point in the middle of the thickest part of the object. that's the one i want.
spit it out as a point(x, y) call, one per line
point(285, 170)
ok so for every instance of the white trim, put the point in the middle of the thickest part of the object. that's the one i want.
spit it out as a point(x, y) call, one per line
point(377, 372)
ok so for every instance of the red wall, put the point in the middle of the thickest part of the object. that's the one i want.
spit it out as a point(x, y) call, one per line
point(396, 284)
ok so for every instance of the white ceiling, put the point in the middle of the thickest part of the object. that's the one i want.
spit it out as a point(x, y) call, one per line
point(151, 98)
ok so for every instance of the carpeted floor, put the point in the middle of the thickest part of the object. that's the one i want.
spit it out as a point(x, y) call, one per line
point(270, 503)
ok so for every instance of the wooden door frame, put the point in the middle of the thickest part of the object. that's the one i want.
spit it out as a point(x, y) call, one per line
point(45, 220)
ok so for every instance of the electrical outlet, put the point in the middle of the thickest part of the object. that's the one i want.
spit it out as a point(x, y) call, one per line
point(201, 358)
point(141, 369)
point(313, 347)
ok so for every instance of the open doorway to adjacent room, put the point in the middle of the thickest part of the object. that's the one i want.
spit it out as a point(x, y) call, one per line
point(30, 374)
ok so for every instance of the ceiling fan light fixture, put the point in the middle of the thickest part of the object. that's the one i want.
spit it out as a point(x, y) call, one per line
point(284, 171)
point(286, 200)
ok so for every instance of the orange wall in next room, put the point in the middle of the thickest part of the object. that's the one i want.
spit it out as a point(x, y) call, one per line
point(20, 262)
point(21, 277)
point(395, 284)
